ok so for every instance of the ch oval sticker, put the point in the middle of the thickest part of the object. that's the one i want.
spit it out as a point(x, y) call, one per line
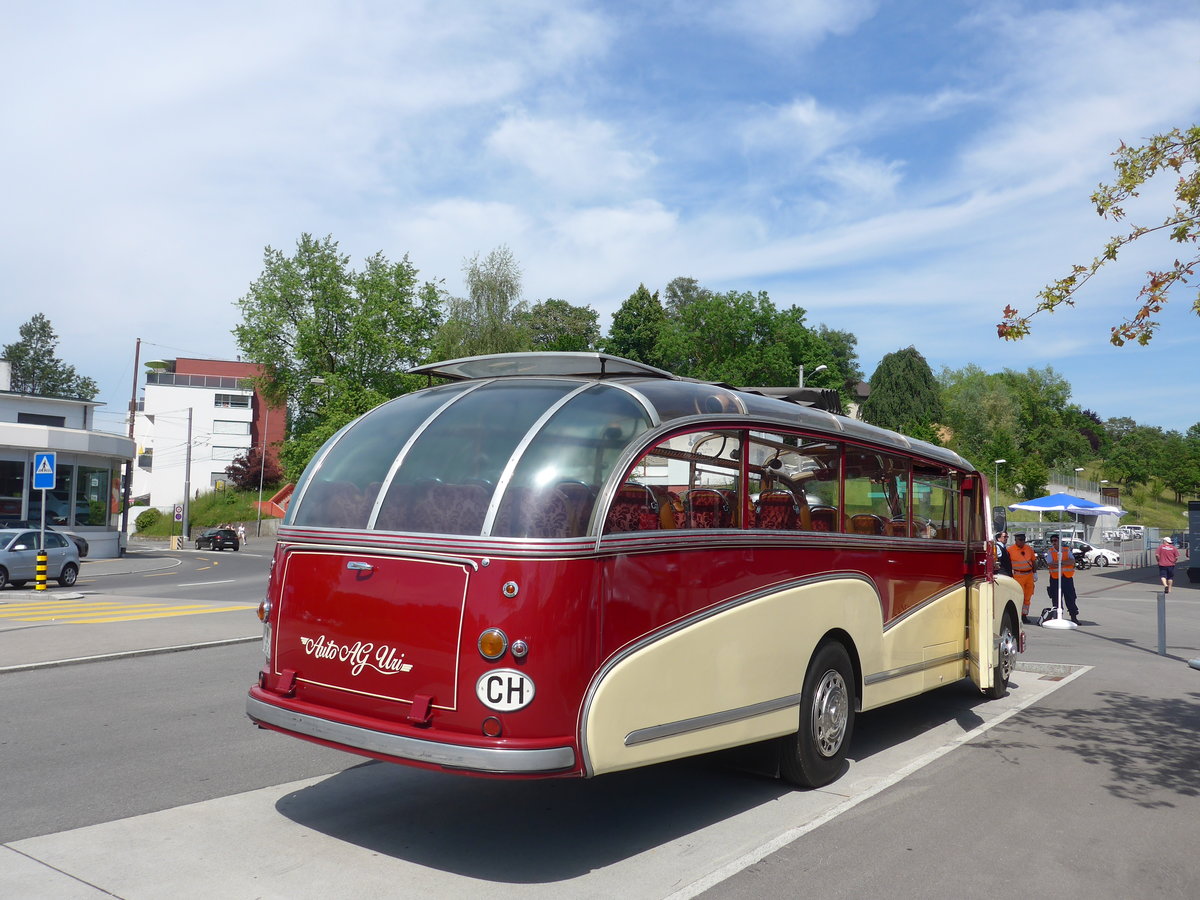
point(504, 690)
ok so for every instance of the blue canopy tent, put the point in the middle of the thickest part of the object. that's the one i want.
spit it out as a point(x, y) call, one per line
point(1068, 503)
point(1078, 506)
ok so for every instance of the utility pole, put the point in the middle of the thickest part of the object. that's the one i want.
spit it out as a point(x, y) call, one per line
point(137, 358)
point(187, 481)
point(262, 466)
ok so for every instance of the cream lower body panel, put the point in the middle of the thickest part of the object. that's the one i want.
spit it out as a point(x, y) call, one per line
point(921, 651)
point(730, 678)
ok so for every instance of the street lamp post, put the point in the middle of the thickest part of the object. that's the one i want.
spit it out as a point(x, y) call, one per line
point(1078, 469)
point(998, 463)
point(814, 371)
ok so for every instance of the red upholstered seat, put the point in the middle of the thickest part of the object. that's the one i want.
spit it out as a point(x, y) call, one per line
point(706, 508)
point(776, 511)
point(633, 509)
point(824, 518)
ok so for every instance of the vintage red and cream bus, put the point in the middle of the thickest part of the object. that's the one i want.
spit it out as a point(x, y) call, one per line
point(573, 564)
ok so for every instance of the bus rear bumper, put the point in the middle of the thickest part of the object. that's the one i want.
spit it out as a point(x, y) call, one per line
point(417, 750)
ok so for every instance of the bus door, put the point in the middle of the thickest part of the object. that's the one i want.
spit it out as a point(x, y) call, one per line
point(981, 585)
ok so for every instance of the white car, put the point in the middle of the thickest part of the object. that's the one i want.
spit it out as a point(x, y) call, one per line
point(1095, 556)
point(1100, 556)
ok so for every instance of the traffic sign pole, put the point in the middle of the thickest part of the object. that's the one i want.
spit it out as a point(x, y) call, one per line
point(45, 474)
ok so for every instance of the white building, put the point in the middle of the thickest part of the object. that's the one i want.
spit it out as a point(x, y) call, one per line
point(87, 492)
point(201, 411)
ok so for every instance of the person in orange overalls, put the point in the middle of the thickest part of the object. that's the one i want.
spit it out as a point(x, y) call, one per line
point(1024, 570)
point(1060, 560)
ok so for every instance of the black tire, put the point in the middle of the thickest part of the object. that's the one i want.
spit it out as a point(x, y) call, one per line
point(1006, 659)
point(19, 584)
point(3, 576)
point(816, 754)
point(1102, 561)
point(68, 574)
point(198, 545)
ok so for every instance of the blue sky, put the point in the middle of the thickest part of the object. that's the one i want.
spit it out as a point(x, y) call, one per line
point(901, 170)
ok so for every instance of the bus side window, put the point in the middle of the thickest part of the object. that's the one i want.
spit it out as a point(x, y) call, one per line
point(935, 496)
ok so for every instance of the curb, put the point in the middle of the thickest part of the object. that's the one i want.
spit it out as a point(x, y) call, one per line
point(126, 654)
point(1038, 668)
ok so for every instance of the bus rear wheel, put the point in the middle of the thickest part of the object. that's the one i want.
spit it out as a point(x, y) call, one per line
point(816, 754)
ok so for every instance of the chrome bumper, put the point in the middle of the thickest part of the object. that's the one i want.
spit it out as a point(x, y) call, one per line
point(473, 759)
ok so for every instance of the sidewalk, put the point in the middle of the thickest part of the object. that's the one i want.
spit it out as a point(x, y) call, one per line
point(38, 644)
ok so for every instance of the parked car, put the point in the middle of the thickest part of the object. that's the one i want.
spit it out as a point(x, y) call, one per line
point(80, 543)
point(18, 557)
point(218, 539)
point(1093, 556)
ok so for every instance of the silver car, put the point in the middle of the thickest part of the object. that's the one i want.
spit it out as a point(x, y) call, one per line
point(18, 557)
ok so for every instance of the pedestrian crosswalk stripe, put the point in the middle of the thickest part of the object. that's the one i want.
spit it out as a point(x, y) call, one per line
point(67, 612)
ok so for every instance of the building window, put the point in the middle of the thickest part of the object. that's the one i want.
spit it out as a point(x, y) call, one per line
point(232, 401)
point(223, 426)
point(12, 488)
point(36, 419)
point(59, 505)
point(91, 495)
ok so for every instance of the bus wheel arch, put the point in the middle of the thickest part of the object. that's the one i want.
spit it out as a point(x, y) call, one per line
point(815, 754)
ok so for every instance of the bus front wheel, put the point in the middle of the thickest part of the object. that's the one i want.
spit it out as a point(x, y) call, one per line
point(1006, 659)
point(815, 755)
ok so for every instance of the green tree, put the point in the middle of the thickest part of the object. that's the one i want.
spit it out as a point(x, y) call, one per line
point(844, 347)
point(1180, 465)
point(905, 396)
point(557, 325)
point(1177, 153)
point(1044, 428)
point(317, 326)
point(981, 417)
point(636, 326)
point(331, 339)
point(346, 402)
point(1136, 456)
point(492, 317)
point(1032, 475)
point(37, 371)
point(682, 292)
point(740, 337)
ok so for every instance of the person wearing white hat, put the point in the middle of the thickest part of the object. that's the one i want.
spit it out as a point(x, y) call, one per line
point(1167, 556)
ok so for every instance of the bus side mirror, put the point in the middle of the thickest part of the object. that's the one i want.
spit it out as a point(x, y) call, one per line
point(999, 519)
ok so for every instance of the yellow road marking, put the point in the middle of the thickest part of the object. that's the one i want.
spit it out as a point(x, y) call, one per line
point(73, 613)
point(164, 615)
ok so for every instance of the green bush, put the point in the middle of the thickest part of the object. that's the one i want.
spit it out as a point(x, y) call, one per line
point(147, 520)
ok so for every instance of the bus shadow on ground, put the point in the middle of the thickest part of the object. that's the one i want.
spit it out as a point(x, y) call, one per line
point(545, 831)
point(522, 832)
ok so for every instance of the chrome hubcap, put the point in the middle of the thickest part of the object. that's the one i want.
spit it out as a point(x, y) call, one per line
point(831, 709)
point(1008, 652)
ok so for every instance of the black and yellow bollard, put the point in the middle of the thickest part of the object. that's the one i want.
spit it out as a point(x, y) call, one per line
point(42, 564)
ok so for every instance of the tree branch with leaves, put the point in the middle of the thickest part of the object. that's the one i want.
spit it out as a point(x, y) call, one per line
point(1177, 151)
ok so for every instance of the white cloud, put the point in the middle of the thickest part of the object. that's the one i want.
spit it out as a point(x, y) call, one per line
point(572, 157)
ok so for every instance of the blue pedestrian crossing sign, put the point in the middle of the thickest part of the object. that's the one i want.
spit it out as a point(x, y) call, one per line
point(43, 471)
